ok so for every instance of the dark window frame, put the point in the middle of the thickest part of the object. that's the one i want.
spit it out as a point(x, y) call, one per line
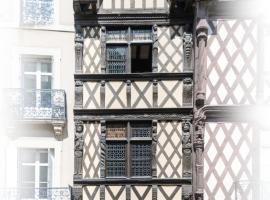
point(131, 141)
point(128, 36)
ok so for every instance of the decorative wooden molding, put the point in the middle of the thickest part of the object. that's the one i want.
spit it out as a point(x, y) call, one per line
point(128, 192)
point(201, 76)
point(155, 93)
point(102, 192)
point(103, 49)
point(128, 93)
point(187, 92)
point(76, 193)
point(187, 157)
point(135, 181)
point(102, 94)
point(200, 97)
point(133, 76)
point(188, 51)
point(154, 148)
point(187, 110)
point(78, 149)
point(78, 94)
point(187, 148)
point(198, 145)
point(78, 49)
point(154, 192)
point(102, 148)
point(155, 48)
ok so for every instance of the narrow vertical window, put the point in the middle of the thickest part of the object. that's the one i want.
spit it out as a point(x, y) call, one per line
point(35, 167)
point(37, 80)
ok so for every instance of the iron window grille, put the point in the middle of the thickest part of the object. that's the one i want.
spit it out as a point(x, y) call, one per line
point(37, 12)
point(120, 50)
point(116, 57)
point(128, 149)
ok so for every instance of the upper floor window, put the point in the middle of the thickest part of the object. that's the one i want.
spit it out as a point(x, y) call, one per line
point(38, 12)
point(129, 50)
point(37, 79)
point(35, 172)
point(129, 149)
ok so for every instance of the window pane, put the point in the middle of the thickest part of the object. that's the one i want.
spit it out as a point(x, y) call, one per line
point(30, 66)
point(28, 156)
point(46, 82)
point(117, 35)
point(28, 174)
point(141, 59)
point(116, 159)
point(141, 164)
point(46, 67)
point(142, 34)
point(43, 176)
point(141, 129)
point(43, 158)
point(116, 59)
point(116, 130)
point(30, 81)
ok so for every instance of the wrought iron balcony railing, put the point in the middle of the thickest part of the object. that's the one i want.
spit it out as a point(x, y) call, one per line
point(25, 104)
point(35, 193)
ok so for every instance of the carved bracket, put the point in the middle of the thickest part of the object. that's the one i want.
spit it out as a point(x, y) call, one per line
point(155, 48)
point(78, 149)
point(103, 49)
point(58, 127)
point(78, 50)
point(198, 145)
point(187, 92)
point(187, 155)
point(187, 45)
point(78, 94)
point(155, 93)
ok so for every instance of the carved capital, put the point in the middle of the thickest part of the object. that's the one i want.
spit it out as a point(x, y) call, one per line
point(78, 149)
point(78, 94)
point(187, 91)
point(155, 48)
point(187, 45)
point(78, 83)
point(202, 31)
point(78, 51)
point(155, 93)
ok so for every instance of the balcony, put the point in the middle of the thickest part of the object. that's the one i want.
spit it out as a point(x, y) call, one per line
point(47, 106)
point(35, 193)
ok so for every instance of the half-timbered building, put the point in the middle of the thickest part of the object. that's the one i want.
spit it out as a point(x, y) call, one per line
point(164, 91)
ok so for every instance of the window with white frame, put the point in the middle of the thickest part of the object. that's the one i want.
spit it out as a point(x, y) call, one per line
point(35, 172)
point(37, 80)
point(38, 12)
